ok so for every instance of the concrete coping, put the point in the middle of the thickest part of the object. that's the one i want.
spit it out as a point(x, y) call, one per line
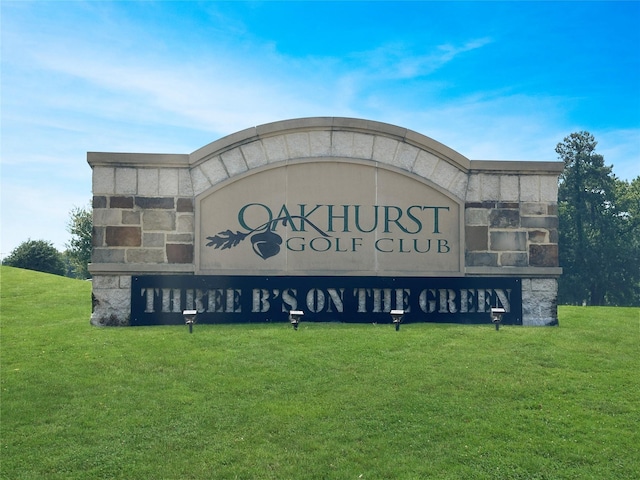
point(332, 124)
point(514, 167)
point(100, 159)
point(371, 127)
point(137, 268)
point(524, 272)
point(283, 127)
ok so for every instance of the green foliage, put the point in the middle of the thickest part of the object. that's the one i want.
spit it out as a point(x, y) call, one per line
point(598, 229)
point(39, 255)
point(79, 248)
point(330, 401)
point(625, 260)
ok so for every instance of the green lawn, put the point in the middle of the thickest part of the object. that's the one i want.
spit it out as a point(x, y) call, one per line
point(329, 401)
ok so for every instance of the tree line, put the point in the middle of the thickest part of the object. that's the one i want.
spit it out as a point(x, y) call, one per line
point(599, 233)
point(599, 228)
point(42, 256)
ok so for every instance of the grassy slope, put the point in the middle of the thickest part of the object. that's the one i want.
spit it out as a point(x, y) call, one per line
point(328, 401)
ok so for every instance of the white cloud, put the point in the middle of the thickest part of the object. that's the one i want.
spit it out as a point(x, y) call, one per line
point(399, 61)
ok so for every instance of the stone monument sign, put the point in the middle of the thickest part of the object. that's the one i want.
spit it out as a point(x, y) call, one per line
point(344, 219)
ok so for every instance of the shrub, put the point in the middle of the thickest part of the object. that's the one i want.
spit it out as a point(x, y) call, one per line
point(39, 255)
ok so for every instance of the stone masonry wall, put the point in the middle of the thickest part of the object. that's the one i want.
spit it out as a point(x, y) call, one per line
point(141, 217)
point(144, 221)
point(511, 222)
point(140, 229)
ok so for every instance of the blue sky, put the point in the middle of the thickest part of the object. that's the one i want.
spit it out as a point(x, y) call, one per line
point(492, 80)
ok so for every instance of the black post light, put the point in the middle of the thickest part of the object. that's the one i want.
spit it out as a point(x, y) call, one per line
point(496, 316)
point(294, 318)
point(190, 318)
point(396, 316)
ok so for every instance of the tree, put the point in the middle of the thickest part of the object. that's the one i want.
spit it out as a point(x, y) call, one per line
point(626, 271)
point(596, 233)
point(79, 248)
point(38, 255)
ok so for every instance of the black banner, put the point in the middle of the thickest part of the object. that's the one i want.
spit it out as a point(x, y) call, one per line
point(161, 299)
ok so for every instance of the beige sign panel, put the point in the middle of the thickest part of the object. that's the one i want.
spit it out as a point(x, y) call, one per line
point(328, 217)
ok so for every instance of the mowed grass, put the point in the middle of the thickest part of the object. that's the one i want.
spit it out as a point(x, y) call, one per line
point(329, 401)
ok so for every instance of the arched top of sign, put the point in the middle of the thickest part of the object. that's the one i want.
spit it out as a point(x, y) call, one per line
point(327, 138)
point(329, 196)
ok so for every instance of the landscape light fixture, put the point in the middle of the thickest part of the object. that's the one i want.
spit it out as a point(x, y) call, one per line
point(190, 318)
point(396, 316)
point(496, 316)
point(294, 318)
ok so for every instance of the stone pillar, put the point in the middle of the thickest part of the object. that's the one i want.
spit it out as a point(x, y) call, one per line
point(143, 221)
point(511, 227)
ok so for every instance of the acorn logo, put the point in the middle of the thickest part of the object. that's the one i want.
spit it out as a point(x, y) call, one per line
point(264, 241)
